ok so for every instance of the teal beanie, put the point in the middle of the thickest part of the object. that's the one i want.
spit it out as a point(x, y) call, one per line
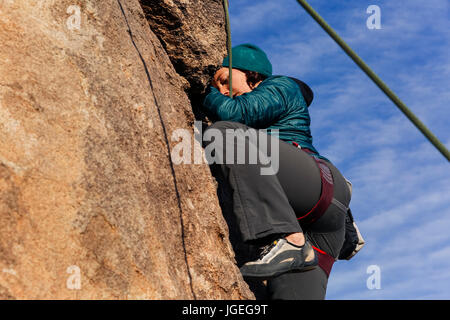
point(249, 57)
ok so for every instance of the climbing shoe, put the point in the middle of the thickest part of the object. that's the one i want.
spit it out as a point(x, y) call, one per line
point(279, 257)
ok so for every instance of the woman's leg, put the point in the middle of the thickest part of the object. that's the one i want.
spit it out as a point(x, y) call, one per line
point(261, 206)
point(307, 285)
point(299, 177)
point(327, 233)
point(260, 203)
point(312, 284)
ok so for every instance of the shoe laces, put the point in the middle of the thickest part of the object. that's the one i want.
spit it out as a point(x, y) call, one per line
point(266, 249)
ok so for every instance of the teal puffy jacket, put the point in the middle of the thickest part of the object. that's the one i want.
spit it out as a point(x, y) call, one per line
point(276, 103)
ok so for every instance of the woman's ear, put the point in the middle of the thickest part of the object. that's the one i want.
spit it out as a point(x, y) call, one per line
point(253, 86)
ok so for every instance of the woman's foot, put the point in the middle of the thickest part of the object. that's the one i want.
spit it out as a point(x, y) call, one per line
point(296, 238)
point(279, 257)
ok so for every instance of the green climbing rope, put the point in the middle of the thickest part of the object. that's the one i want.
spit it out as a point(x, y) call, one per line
point(408, 113)
point(227, 18)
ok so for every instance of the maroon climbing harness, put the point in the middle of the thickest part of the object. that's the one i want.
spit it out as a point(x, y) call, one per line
point(326, 195)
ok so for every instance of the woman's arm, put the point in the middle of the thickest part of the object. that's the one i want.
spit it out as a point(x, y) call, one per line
point(258, 108)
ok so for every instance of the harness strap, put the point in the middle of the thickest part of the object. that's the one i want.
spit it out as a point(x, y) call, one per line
point(325, 261)
point(326, 195)
point(339, 204)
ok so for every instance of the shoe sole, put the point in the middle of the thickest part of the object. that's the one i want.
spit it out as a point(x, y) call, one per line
point(276, 274)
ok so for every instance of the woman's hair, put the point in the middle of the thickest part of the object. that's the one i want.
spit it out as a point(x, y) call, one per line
point(253, 77)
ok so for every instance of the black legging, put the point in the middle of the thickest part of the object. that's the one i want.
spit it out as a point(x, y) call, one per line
point(267, 206)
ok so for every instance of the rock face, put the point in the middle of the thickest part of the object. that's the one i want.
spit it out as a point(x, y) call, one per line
point(193, 34)
point(92, 205)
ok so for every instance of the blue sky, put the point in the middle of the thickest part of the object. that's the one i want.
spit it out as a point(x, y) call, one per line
point(401, 183)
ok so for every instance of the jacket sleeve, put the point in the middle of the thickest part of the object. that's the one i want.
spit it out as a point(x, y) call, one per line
point(258, 108)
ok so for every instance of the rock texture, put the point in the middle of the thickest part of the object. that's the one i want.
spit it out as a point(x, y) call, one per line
point(91, 204)
point(193, 34)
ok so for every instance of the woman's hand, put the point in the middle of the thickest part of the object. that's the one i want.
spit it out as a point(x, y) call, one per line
point(220, 80)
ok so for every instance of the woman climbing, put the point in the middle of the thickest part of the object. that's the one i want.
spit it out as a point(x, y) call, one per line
point(283, 212)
